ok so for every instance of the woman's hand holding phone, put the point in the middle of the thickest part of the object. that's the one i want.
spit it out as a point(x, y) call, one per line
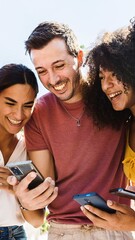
point(37, 197)
point(4, 173)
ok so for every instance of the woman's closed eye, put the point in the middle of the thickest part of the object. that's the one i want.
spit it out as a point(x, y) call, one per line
point(10, 103)
point(28, 106)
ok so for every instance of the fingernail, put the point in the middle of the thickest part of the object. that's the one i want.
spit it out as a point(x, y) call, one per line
point(56, 189)
point(82, 208)
point(87, 207)
point(32, 175)
point(109, 202)
point(11, 178)
point(53, 182)
point(48, 179)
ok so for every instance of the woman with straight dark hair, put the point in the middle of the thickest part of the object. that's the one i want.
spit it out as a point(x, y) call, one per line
point(18, 90)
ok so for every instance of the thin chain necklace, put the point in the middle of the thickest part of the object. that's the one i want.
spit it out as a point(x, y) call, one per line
point(77, 119)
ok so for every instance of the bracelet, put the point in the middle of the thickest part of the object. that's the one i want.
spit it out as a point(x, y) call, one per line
point(22, 208)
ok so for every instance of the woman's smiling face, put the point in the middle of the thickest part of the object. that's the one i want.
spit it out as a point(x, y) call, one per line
point(16, 106)
point(117, 92)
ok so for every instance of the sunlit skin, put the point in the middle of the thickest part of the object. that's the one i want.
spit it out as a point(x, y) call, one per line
point(121, 97)
point(114, 89)
point(16, 106)
point(58, 70)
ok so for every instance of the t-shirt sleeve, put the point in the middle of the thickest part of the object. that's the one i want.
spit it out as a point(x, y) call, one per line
point(33, 135)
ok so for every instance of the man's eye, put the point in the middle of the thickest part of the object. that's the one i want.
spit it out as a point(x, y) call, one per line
point(42, 72)
point(60, 66)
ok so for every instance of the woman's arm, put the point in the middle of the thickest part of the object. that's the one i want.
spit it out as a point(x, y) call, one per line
point(122, 220)
point(42, 195)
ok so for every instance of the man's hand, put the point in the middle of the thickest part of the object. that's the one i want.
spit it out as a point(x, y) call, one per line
point(36, 198)
point(122, 220)
point(4, 173)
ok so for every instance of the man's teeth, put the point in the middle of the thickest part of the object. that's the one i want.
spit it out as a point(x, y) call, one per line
point(14, 121)
point(59, 87)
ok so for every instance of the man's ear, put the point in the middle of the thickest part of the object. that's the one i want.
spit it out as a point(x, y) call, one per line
point(80, 57)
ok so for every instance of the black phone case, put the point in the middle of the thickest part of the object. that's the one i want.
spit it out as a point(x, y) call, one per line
point(21, 169)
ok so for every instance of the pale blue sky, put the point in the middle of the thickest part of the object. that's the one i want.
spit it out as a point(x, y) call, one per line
point(88, 18)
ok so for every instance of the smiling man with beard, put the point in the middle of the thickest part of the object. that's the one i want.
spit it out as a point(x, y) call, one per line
point(60, 131)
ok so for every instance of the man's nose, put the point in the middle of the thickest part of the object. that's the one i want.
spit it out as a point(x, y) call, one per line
point(53, 78)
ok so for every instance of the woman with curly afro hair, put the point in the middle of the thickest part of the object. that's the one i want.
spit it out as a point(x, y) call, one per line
point(111, 94)
point(110, 99)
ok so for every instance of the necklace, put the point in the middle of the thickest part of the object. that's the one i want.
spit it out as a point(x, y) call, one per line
point(77, 119)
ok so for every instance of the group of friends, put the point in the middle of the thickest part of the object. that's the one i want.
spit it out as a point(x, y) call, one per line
point(80, 135)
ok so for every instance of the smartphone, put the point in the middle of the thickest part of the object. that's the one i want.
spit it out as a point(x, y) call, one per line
point(123, 193)
point(93, 199)
point(21, 169)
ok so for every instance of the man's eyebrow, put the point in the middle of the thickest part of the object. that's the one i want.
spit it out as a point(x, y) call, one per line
point(60, 60)
point(12, 100)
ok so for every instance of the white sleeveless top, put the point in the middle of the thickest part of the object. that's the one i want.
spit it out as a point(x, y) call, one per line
point(10, 213)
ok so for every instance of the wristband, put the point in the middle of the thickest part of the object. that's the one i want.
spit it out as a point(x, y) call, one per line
point(22, 208)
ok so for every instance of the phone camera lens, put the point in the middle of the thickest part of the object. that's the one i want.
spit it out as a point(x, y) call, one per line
point(16, 171)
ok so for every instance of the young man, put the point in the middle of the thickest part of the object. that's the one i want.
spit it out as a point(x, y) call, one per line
point(86, 158)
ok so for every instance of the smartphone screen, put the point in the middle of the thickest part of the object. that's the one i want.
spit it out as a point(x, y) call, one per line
point(21, 169)
point(93, 199)
point(123, 193)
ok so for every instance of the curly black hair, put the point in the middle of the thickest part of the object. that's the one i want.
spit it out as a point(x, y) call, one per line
point(117, 56)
